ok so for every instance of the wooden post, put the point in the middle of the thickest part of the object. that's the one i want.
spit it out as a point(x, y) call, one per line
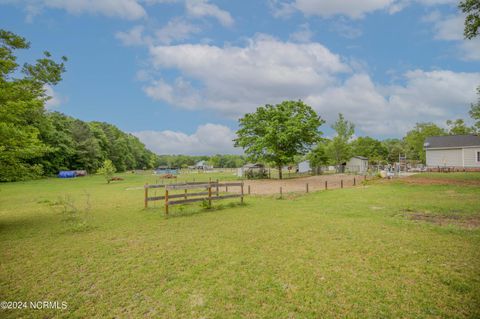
point(307, 187)
point(217, 188)
point(185, 193)
point(326, 185)
point(248, 189)
point(166, 201)
point(241, 197)
point(281, 192)
point(226, 188)
point(354, 182)
point(146, 195)
point(341, 183)
point(209, 196)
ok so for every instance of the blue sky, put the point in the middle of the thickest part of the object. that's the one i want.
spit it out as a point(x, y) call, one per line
point(179, 73)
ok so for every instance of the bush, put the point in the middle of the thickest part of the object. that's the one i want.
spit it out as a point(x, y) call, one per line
point(107, 170)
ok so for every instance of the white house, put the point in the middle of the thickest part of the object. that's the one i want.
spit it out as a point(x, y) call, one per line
point(357, 164)
point(203, 165)
point(454, 151)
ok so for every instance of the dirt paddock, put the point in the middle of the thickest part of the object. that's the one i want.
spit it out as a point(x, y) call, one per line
point(315, 183)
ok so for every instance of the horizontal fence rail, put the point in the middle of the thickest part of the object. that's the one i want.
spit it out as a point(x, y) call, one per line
point(186, 197)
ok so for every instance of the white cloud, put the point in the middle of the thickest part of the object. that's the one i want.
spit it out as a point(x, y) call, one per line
point(126, 9)
point(303, 34)
point(175, 30)
point(450, 28)
point(201, 8)
point(209, 139)
point(54, 100)
point(234, 80)
point(353, 9)
point(132, 37)
point(384, 110)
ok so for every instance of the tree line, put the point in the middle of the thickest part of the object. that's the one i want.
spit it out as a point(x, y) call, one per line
point(35, 142)
point(289, 132)
point(218, 160)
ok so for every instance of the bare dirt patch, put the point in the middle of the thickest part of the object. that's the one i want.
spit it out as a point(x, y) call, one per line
point(440, 181)
point(469, 222)
point(315, 183)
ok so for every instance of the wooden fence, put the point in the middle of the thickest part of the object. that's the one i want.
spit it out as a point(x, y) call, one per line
point(202, 191)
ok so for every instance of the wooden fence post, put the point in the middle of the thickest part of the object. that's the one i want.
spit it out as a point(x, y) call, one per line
point(354, 182)
point(146, 195)
point(341, 183)
point(166, 201)
point(216, 189)
point(307, 187)
point(248, 189)
point(209, 196)
point(185, 193)
point(226, 188)
point(241, 197)
point(326, 185)
point(281, 192)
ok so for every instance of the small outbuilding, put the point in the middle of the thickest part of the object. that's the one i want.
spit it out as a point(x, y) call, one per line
point(304, 167)
point(459, 152)
point(357, 164)
point(203, 165)
point(250, 170)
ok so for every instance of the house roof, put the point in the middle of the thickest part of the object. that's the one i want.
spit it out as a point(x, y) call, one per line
point(361, 157)
point(452, 141)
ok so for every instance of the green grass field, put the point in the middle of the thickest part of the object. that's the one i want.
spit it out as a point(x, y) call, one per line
point(384, 250)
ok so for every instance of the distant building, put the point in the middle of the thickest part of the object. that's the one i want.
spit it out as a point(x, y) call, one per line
point(304, 167)
point(203, 165)
point(357, 164)
point(453, 151)
point(250, 170)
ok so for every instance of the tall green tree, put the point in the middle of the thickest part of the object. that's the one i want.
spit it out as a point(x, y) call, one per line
point(373, 149)
point(472, 21)
point(475, 111)
point(415, 139)
point(339, 149)
point(395, 147)
point(318, 156)
point(277, 133)
point(22, 112)
point(458, 127)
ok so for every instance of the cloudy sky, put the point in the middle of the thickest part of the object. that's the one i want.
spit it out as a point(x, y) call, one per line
point(179, 73)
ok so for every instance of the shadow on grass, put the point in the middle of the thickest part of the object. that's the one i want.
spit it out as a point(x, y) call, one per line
point(192, 210)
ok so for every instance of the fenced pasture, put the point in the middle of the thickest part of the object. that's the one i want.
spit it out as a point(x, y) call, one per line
point(392, 249)
point(181, 193)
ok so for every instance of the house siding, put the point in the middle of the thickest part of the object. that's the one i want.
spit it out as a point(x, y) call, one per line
point(470, 157)
point(450, 157)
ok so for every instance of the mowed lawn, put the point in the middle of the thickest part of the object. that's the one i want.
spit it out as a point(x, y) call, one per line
point(384, 250)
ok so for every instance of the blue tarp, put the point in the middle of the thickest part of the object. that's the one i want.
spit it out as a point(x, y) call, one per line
point(67, 174)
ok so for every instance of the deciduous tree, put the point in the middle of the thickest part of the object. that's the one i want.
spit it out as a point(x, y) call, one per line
point(277, 133)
